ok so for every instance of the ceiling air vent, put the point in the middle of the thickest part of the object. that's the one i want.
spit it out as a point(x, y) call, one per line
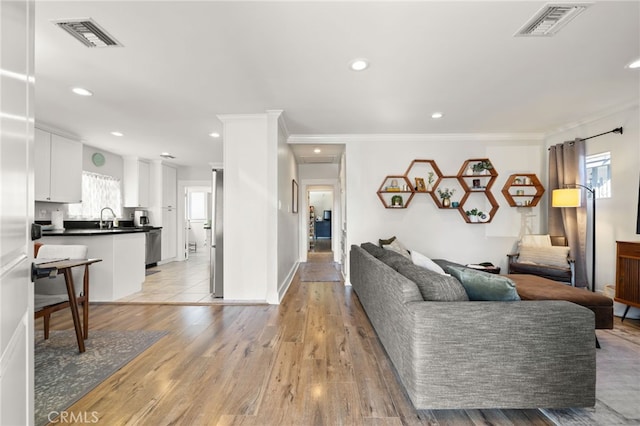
point(88, 32)
point(550, 19)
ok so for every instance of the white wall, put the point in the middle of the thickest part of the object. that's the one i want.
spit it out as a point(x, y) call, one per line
point(113, 165)
point(193, 173)
point(437, 233)
point(318, 171)
point(288, 230)
point(615, 216)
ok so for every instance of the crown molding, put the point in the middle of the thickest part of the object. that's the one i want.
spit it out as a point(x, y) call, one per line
point(430, 137)
point(633, 104)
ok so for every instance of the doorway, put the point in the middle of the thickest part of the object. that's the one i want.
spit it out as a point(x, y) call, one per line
point(320, 225)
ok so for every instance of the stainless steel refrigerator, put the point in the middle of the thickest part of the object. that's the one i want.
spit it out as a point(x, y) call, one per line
point(216, 273)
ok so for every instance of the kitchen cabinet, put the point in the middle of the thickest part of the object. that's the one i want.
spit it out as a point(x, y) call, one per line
point(136, 183)
point(323, 229)
point(58, 168)
point(169, 186)
point(169, 234)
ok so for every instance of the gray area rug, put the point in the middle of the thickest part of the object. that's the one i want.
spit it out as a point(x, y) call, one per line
point(63, 375)
point(617, 386)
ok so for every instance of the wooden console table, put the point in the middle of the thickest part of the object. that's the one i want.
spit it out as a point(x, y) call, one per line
point(64, 267)
point(628, 274)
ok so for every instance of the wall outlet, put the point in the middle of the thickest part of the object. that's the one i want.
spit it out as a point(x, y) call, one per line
point(42, 214)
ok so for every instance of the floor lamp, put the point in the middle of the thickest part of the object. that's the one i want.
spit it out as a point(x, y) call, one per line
point(569, 196)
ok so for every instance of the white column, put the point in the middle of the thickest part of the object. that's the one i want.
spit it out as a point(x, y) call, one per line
point(250, 207)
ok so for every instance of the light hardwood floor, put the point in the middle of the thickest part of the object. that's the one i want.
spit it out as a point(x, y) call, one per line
point(313, 360)
point(185, 282)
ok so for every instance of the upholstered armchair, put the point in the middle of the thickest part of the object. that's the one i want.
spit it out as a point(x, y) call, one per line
point(543, 255)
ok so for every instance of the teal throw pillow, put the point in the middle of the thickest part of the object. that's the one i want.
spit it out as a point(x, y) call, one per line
point(481, 285)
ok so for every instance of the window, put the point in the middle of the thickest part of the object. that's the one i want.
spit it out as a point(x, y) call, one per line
point(98, 191)
point(197, 206)
point(599, 174)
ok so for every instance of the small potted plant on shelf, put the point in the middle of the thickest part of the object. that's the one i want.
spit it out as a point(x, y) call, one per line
point(476, 215)
point(430, 179)
point(445, 195)
point(480, 167)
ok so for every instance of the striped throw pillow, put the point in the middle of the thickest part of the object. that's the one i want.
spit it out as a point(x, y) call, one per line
point(552, 256)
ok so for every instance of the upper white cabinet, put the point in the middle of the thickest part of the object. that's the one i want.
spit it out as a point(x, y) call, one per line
point(136, 183)
point(58, 168)
point(169, 186)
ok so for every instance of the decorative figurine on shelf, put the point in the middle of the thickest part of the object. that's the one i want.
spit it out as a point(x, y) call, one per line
point(396, 201)
point(393, 186)
point(446, 196)
point(420, 186)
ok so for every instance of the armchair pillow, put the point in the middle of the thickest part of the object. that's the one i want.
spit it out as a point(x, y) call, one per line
point(551, 256)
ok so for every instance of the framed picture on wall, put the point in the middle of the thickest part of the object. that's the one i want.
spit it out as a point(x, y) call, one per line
point(294, 196)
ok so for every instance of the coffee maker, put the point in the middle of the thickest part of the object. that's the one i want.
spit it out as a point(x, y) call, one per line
point(140, 218)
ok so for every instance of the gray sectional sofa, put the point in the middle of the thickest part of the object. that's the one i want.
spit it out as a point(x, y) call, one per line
point(474, 354)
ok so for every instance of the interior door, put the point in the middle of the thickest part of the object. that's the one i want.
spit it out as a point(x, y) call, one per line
point(16, 212)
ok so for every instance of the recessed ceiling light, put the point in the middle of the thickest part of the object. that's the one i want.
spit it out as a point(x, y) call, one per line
point(117, 134)
point(82, 92)
point(634, 65)
point(317, 150)
point(214, 135)
point(359, 64)
point(436, 115)
point(167, 155)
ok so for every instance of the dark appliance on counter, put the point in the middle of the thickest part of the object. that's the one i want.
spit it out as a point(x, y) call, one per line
point(153, 250)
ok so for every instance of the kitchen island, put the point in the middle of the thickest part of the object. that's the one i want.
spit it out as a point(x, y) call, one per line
point(122, 250)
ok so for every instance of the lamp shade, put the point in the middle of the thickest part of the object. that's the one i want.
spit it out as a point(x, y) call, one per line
point(567, 197)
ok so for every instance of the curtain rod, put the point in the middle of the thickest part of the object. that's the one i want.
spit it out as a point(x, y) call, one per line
point(616, 130)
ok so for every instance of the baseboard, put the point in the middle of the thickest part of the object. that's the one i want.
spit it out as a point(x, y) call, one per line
point(284, 287)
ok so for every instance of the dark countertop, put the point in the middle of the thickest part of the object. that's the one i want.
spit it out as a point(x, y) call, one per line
point(74, 228)
point(87, 232)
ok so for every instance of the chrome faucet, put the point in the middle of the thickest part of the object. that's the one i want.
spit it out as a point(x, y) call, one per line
point(102, 211)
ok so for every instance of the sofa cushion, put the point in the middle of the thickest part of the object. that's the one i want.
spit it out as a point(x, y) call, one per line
point(481, 285)
point(394, 259)
point(398, 247)
point(422, 260)
point(386, 242)
point(373, 249)
point(553, 256)
point(434, 286)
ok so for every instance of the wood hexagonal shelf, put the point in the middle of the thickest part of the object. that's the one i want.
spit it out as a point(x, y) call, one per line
point(523, 190)
point(425, 174)
point(393, 190)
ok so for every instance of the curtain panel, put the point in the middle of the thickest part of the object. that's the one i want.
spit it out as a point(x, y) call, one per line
point(98, 191)
point(566, 167)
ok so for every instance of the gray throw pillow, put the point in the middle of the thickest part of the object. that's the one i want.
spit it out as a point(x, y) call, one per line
point(481, 285)
point(373, 249)
point(434, 286)
point(394, 259)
